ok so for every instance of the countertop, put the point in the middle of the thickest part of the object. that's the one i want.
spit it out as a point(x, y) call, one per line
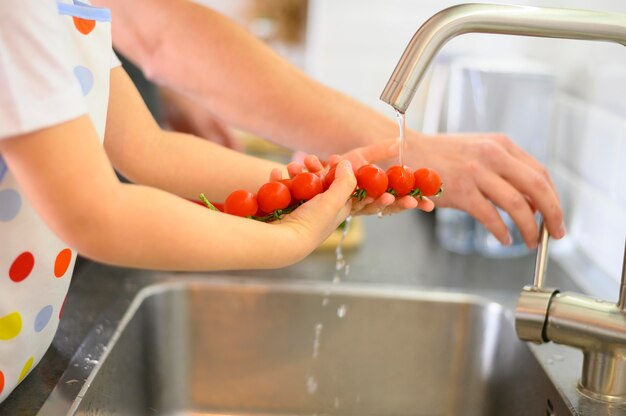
point(400, 250)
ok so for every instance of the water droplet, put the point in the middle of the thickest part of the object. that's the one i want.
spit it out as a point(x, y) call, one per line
point(316, 340)
point(337, 402)
point(325, 301)
point(341, 311)
point(311, 385)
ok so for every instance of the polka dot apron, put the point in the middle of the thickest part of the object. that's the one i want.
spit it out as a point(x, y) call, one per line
point(35, 266)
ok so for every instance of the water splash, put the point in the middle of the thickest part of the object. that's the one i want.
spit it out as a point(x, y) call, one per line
point(340, 261)
point(341, 311)
point(316, 340)
point(311, 385)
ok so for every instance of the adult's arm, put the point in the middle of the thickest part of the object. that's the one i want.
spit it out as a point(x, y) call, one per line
point(206, 56)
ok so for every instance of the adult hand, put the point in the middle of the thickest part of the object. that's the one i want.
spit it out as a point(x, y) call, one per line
point(483, 171)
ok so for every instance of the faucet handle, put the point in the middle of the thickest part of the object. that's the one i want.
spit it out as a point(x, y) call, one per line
point(531, 313)
point(541, 262)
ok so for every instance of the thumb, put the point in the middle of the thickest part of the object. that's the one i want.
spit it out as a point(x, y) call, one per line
point(345, 181)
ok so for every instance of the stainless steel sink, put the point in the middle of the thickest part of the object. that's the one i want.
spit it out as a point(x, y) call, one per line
point(213, 348)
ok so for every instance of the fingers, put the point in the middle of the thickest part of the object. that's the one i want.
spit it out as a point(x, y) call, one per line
point(523, 156)
point(333, 160)
point(313, 164)
point(372, 206)
point(276, 174)
point(387, 204)
point(487, 214)
point(345, 181)
point(523, 180)
point(294, 168)
point(513, 202)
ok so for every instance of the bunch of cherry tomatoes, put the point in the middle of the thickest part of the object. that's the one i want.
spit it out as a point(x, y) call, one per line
point(277, 198)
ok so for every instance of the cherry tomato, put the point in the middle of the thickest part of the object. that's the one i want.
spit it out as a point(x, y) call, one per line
point(372, 179)
point(329, 177)
point(241, 203)
point(273, 196)
point(286, 182)
point(401, 179)
point(305, 186)
point(427, 181)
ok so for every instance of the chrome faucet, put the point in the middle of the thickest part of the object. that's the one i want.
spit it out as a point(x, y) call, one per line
point(499, 19)
point(596, 327)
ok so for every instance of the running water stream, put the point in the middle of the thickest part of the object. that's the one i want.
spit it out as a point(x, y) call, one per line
point(402, 139)
point(341, 269)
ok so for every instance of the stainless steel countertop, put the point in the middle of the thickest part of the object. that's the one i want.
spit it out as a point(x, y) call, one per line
point(398, 250)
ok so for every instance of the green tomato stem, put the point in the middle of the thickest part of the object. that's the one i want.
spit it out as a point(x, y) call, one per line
point(206, 202)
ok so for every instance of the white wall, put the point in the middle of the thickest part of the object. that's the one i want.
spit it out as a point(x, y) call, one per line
point(354, 45)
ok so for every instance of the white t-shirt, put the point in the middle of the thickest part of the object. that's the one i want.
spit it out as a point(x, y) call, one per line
point(55, 61)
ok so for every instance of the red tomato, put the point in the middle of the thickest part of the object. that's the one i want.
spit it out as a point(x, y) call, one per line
point(241, 203)
point(273, 196)
point(286, 182)
point(305, 186)
point(401, 179)
point(329, 177)
point(372, 179)
point(427, 181)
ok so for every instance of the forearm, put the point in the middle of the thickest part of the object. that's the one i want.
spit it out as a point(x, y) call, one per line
point(147, 228)
point(186, 166)
point(228, 71)
point(66, 176)
point(178, 163)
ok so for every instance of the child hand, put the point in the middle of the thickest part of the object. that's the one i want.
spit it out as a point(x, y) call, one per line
point(317, 218)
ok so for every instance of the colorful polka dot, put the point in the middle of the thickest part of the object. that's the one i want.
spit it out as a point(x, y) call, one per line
point(84, 26)
point(1, 381)
point(10, 326)
point(43, 317)
point(62, 262)
point(22, 266)
point(3, 168)
point(84, 77)
point(10, 204)
point(27, 366)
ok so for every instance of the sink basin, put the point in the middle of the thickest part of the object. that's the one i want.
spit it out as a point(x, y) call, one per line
point(202, 347)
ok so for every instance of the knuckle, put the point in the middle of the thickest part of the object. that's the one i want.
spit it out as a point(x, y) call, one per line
point(539, 181)
point(489, 150)
point(518, 202)
point(501, 139)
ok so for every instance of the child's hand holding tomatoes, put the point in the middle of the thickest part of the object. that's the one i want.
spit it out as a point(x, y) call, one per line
point(318, 217)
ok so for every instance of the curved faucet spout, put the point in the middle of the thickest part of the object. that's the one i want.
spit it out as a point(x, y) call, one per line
point(499, 19)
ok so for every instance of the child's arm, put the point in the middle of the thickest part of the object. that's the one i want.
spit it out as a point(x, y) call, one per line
point(65, 173)
point(179, 163)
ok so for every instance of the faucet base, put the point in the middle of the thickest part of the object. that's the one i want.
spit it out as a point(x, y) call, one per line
point(604, 376)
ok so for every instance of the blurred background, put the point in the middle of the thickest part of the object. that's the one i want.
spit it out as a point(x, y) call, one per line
point(561, 100)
